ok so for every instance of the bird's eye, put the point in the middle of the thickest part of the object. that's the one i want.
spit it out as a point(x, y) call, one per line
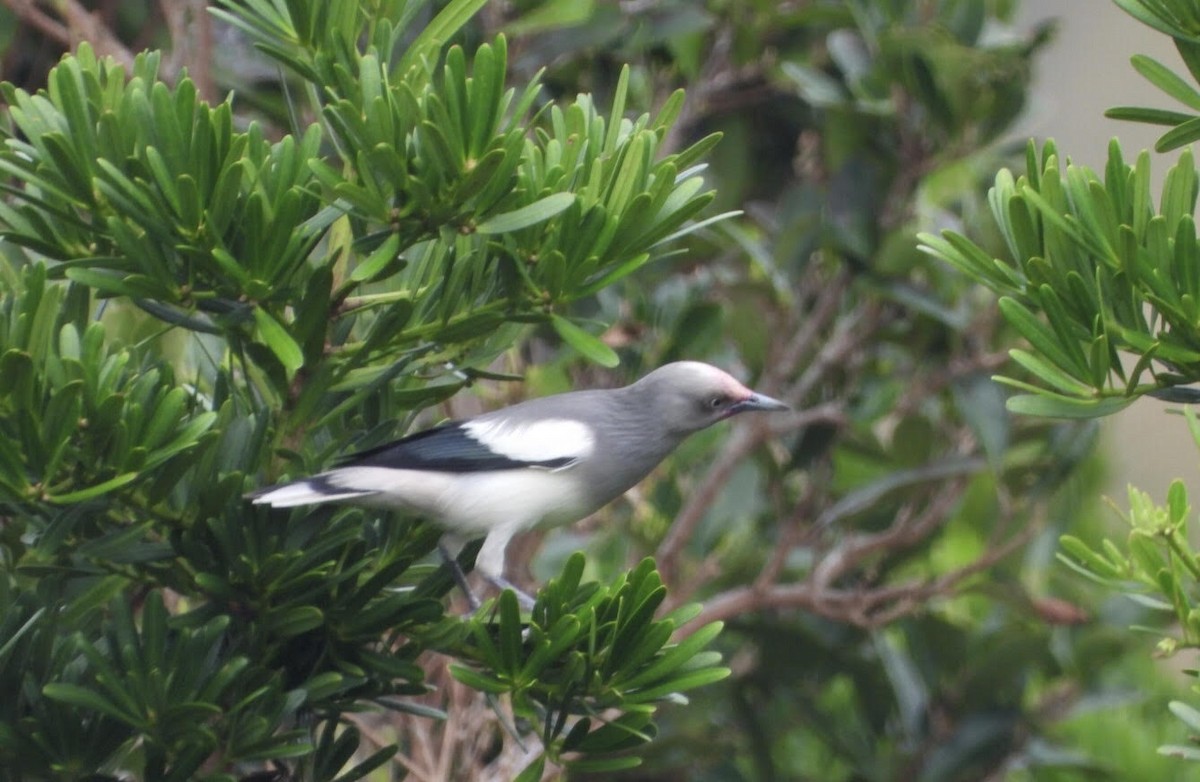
point(716, 402)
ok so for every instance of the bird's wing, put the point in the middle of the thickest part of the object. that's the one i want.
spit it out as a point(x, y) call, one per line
point(485, 444)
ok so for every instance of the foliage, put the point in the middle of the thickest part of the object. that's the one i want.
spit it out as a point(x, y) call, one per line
point(883, 560)
point(584, 651)
point(1099, 271)
point(1109, 271)
point(1157, 567)
point(191, 303)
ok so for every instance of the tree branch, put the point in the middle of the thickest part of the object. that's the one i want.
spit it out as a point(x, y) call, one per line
point(863, 606)
point(74, 25)
point(192, 43)
point(743, 442)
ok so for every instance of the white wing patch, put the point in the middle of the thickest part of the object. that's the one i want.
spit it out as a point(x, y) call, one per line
point(537, 441)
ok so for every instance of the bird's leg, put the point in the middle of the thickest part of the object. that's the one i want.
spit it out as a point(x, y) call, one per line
point(502, 583)
point(489, 563)
point(460, 577)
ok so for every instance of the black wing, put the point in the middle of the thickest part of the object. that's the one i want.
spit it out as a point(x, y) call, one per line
point(445, 448)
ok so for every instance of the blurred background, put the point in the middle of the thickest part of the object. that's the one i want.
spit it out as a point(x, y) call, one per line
point(884, 559)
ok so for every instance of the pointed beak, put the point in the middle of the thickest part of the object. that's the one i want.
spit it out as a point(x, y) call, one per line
point(761, 402)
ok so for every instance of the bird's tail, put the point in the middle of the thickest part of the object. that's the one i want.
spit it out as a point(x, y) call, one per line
point(307, 492)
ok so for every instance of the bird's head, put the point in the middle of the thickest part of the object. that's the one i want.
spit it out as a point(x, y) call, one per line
point(688, 396)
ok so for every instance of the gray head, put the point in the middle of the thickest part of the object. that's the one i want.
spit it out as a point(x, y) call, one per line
point(687, 396)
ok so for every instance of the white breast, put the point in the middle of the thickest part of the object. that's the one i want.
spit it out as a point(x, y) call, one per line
point(473, 502)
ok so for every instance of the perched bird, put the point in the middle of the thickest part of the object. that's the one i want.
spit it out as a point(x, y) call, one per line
point(543, 462)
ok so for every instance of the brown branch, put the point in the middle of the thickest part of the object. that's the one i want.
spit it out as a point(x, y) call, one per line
point(789, 535)
point(853, 329)
point(83, 25)
point(27, 11)
point(74, 24)
point(850, 332)
point(462, 746)
point(743, 442)
point(816, 318)
point(191, 44)
point(958, 368)
point(907, 529)
point(867, 607)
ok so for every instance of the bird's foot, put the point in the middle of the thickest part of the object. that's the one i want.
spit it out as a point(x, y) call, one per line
point(502, 583)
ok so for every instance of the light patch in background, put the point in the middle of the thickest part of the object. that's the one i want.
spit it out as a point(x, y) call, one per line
point(1081, 73)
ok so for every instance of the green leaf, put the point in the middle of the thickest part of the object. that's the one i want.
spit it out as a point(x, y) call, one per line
point(1139, 10)
point(1147, 115)
point(532, 214)
point(1042, 338)
point(377, 759)
point(448, 22)
point(562, 635)
point(551, 15)
point(1177, 502)
point(684, 681)
point(1093, 561)
point(92, 701)
point(384, 259)
point(1166, 80)
point(276, 337)
point(1180, 136)
point(1049, 373)
point(601, 765)
point(135, 286)
point(1180, 751)
point(1055, 406)
point(323, 685)
point(589, 346)
point(675, 657)
point(294, 621)
point(1188, 714)
point(533, 772)
point(510, 632)
point(478, 681)
point(93, 491)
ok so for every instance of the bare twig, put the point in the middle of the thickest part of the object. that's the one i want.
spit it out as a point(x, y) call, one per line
point(83, 25)
point(191, 43)
point(28, 11)
point(852, 330)
point(863, 606)
point(462, 746)
point(744, 441)
point(909, 527)
point(846, 340)
point(816, 319)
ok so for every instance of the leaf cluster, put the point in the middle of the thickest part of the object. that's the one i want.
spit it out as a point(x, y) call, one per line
point(1157, 567)
point(189, 304)
point(1179, 20)
point(803, 532)
point(1098, 269)
point(584, 652)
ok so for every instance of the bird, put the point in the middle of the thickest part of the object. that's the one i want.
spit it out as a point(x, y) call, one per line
point(544, 462)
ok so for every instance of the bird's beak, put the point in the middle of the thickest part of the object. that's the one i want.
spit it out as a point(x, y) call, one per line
point(762, 402)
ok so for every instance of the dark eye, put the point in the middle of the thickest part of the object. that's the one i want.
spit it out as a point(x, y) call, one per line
point(717, 402)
